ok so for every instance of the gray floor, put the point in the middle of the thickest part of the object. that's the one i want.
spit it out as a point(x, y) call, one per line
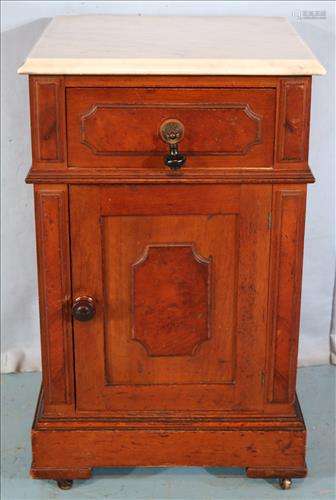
point(316, 388)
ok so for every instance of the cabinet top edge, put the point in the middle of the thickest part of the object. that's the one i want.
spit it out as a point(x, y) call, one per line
point(148, 45)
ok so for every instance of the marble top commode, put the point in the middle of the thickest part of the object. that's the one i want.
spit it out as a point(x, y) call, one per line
point(140, 45)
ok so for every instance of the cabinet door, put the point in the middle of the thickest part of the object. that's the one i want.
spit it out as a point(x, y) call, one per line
point(179, 276)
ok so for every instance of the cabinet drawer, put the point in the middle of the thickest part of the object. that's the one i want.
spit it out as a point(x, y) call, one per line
point(224, 128)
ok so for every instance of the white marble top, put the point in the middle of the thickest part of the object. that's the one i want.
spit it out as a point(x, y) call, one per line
point(145, 45)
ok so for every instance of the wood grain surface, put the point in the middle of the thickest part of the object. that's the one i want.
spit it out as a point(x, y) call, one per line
point(195, 275)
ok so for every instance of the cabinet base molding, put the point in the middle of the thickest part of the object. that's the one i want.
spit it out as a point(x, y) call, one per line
point(59, 474)
point(273, 472)
point(267, 448)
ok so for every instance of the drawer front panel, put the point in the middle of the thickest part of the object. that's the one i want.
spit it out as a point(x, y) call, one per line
point(112, 127)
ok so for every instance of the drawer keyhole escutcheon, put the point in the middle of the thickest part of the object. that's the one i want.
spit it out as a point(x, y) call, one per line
point(172, 132)
point(83, 308)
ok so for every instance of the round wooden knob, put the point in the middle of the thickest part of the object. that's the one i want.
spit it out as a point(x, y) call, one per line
point(83, 308)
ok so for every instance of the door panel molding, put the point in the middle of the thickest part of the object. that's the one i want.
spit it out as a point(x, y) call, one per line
point(173, 322)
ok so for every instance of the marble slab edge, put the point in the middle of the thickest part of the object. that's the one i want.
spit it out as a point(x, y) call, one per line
point(55, 66)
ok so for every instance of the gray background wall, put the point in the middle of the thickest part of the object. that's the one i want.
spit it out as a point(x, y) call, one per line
point(22, 24)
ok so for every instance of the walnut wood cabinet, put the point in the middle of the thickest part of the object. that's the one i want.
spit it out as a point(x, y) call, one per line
point(194, 274)
point(169, 295)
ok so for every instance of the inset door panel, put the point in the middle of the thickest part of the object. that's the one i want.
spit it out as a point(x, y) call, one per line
point(171, 300)
point(179, 279)
point(163, 307)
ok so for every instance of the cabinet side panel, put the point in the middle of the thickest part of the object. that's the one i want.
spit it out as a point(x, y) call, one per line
point(294, 120)
point(47, 102)
point(52, 233)
point(285, 289)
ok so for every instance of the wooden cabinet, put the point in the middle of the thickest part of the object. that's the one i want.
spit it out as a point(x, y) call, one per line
point(169, 297)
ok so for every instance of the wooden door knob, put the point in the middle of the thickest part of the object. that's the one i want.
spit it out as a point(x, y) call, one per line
point(83, 308)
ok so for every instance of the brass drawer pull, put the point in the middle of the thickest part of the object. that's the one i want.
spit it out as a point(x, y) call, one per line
point(172, 132)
